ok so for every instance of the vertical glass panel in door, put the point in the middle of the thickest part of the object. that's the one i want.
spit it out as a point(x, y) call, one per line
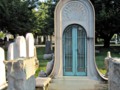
point(74, 51)
point(68, 51)
point(81, 52)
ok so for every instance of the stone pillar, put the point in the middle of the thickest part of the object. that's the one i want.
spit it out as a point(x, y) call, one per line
point(30, 45)
point(106, 61)
point(2, 69)
point(114, 74)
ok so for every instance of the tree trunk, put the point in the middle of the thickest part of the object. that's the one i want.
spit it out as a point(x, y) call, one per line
point(106, 42)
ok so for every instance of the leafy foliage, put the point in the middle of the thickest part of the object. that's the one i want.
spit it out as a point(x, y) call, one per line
point(2, 35)
point(45, 18)
point(16, 16)
point(107, 19)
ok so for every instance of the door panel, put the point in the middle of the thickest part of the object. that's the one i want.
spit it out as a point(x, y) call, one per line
point(74, 47)
point(68, 66)
point(81, 58)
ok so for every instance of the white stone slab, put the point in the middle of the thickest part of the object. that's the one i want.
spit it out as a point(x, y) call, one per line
point(30, 45)
point(11, 52)
point(2, 68)
point(20, 46)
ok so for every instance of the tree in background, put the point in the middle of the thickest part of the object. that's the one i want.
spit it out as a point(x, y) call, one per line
point(45, 18)
point(16, 16)
point(107, 19)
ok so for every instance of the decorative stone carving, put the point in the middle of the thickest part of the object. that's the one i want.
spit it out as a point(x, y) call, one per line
point(74, 11)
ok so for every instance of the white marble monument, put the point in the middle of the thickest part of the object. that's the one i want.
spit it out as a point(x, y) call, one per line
point(2, 69)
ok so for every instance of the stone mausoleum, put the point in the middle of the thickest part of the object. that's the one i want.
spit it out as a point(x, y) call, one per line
point(74, 46)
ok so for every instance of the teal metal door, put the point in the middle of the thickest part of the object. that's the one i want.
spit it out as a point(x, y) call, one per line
point(74, 51)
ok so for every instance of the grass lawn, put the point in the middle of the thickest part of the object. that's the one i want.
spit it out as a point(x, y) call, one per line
point(115, 52)
point(42, 62)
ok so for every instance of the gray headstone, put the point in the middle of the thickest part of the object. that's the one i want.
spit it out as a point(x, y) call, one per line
point(2, 68)
point(48, 47)
point(30, 45)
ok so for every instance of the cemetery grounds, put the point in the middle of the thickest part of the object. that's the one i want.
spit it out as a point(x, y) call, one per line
point(100, 55)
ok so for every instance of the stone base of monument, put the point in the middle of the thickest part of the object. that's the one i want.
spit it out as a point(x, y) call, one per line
point(76, 83)
point(20, 73)
point(42, 83)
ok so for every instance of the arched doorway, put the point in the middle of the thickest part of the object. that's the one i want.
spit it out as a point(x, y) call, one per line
point(74, 51)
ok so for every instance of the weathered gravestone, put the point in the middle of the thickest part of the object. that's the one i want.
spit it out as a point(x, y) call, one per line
point(20, 47)
point(11, 51)
point(48, 47)
point(20, 74)
point(48, 51)
point(2, 69)
point(114, 74)
point(21, 69)
point(17, 49)
point(30, 44)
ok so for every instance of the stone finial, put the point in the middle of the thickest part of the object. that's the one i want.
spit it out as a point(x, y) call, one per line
point(108, 54)
point(106, 61)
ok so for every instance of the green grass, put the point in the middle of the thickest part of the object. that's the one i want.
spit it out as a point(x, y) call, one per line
point(42, 62)
point(100, 57)
point(115, 52)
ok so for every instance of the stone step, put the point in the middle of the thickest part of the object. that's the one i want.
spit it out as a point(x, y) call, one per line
point(76, 83)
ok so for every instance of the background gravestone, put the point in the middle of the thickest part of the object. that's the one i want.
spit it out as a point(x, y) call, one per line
point(48, 47)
